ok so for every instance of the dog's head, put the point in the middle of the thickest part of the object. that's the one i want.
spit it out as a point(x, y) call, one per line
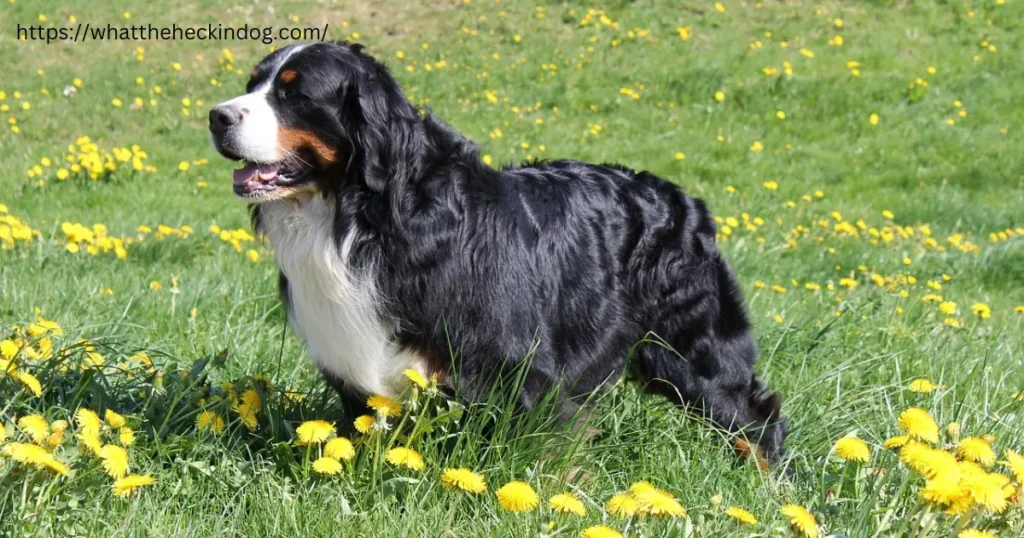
point(313, 116)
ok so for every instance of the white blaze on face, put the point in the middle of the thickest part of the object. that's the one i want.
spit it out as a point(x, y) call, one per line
point(256, 137)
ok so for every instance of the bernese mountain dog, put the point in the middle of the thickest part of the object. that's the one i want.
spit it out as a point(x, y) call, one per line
point(398, 247)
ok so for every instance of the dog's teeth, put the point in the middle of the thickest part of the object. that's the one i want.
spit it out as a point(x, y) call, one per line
point(267, 171)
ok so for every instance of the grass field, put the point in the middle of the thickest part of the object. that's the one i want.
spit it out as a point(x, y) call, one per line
point(864, 160)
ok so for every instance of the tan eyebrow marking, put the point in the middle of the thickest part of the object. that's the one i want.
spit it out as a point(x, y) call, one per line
point(289, 75)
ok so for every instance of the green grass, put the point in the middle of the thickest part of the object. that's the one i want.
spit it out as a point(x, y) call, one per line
point(839, 374)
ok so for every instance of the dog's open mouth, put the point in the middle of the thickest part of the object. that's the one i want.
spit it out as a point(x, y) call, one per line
point(259, 181)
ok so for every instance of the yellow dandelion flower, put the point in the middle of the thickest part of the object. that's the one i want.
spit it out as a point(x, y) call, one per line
point(210, 421)
point(943, 490)
point(90, 440)
point(248, 408)
point(926, 460)
point(922, 384)
point(87, 420)
point(567, 503)
point(35, 456)
point(977, 450)
point(464, 479)
point(1016, 464)
point(853, 449)
point(641, 486)
point(517, 496)
point(741, 515)
point(30, 382)
point(126, 486)
point(801, 519)
point(658, 503)
point(365, 424)
point(384, 405)
point(621, 505)
point(327, 465)
point(35, 427)
point(115, 460)
point(975, 533)
point(981, 310)
point(415, 378)
point(405, 457)
point(600, 531)
point(126, 436)
point(339, 448)
point(953, 429)
point(918, 424)
point(114, 420)
point(314, 432)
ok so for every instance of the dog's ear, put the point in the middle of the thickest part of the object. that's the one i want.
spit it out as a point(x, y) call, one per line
point(386, 143)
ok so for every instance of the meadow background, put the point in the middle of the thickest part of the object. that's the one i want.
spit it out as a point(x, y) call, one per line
point(864, 160)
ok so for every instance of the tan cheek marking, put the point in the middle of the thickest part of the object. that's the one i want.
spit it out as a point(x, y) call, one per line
point(292, 139)
point(288, 76)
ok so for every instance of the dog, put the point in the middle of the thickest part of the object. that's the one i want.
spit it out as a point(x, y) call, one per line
point(399, 248)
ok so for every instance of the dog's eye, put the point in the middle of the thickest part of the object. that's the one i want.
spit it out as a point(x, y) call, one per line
point(285, 93)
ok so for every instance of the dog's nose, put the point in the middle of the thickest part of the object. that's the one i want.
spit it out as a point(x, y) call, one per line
point(223, 117)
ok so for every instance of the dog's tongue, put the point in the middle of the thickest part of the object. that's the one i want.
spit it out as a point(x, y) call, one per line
point(250, 171)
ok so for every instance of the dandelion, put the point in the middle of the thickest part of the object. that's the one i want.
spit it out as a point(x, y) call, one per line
point(942, 490)
point(741, 515)
point(126, 436)
point(801, 519)
point(947, 308)
point(654, 501)
point(87, 420)
point(339, 448)
point(517, 496)
point(415, 378)
point(977, 450)
point(327, 465)
point(115, 460)
point(210, 421)
point(981, 310)
point(114, 420)
point(253, 255)
point(974, 533)
point(853, 449)
point(36, 428)
point(314, 432)
point(384, 406)
point(1016, 464)
point(918, 424)
point(896, 442)
point(405, 457)
point(600, 531)
point(985, 489)
point(621, 505)
point(30, 382)
point(365, 423)
point(567, 503)
point(926, 460)
point(126, 486)
point(35, 456)
point(922, 384)
point(873, 119)
point(248, 407)
point(464, 479)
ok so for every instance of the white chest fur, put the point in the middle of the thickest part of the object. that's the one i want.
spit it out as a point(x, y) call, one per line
point(335, 310)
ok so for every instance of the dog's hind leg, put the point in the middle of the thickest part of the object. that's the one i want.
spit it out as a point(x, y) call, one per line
point(707, 359)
